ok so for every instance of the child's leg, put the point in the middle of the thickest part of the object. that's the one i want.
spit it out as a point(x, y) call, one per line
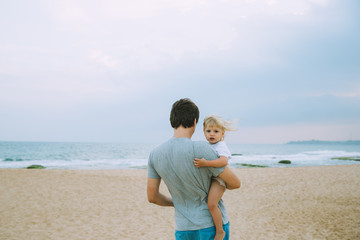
point(215, 194)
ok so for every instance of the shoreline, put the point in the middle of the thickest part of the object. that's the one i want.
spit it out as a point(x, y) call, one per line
point(321, 202)
point(344, 161)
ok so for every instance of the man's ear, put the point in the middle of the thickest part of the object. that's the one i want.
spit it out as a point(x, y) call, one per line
point(195, 122)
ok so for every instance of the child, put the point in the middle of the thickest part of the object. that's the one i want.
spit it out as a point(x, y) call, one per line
point(214, 130)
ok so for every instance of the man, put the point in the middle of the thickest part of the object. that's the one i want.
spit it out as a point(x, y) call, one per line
point(188, 185)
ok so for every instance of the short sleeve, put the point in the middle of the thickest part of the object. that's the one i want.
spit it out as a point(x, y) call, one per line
point(223, 150)
point(151, 170)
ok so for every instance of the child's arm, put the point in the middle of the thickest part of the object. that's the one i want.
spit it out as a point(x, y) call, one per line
point(220, 162)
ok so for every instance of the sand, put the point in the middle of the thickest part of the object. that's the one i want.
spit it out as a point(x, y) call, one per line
point(272, 203)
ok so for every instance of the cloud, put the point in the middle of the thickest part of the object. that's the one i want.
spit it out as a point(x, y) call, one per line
point(191, 27)
point(269, 62)
point(205, 26)
point(355, 93)
point(103, 59)
point(281, 134)
point(70, 11)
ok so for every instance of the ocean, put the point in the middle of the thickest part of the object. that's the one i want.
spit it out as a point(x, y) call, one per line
point(67, 155)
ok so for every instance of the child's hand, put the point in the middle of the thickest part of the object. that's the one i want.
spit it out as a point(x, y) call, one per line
point(200, 162)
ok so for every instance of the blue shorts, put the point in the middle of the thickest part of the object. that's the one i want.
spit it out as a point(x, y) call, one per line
point(202, 234)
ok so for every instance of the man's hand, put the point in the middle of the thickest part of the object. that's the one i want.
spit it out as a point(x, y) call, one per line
point(200, 162)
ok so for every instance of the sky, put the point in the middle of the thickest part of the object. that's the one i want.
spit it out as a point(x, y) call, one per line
point(110, 70)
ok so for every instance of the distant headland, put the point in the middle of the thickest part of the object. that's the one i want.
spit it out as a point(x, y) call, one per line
point(319, 142)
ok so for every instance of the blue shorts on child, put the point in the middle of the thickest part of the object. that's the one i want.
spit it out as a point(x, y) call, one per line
point(202, 234)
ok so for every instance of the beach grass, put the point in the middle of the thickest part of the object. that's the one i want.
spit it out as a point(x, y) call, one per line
point(36, 167)
point(355, 158)
point(249, 165)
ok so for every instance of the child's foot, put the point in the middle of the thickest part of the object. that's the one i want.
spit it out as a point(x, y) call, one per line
point(219, 236)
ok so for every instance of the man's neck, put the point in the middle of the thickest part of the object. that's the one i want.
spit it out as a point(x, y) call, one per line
point(182, 132)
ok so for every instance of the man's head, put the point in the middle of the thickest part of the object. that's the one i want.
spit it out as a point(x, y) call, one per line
point(184, 113)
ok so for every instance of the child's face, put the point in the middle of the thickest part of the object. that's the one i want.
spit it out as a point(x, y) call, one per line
point(213, 134)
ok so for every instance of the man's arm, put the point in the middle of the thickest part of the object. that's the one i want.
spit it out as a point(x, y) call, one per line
point(230, 178)
point(153, 194)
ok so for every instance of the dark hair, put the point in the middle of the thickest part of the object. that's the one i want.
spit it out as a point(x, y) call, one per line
point(183, 113)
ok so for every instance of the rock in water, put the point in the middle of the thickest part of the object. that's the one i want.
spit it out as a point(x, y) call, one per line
point(285, 161)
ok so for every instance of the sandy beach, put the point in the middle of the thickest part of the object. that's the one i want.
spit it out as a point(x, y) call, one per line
point(272, 203)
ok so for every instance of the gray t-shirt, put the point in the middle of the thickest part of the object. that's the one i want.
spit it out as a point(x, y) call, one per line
point(188, 185)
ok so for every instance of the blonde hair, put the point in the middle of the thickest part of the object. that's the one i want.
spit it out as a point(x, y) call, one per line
point(214, 120)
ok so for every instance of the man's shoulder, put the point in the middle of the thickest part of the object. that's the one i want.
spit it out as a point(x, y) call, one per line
point(204, 150)
point(201, 144)
point(171, 143)
point(161, 147)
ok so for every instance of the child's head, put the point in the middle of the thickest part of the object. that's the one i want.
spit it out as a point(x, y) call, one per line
point(215, 128)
